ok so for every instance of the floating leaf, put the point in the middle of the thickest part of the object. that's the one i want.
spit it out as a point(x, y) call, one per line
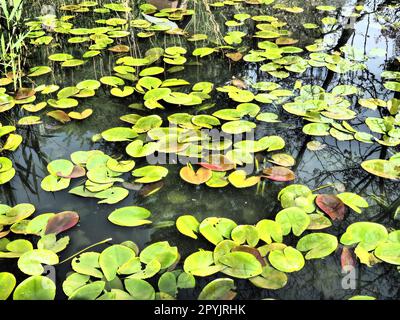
point(132, 216)
point(61, 222)
point(202, 175)
point(219, 289)
point(287, 260)
point(331, 205)
point(7, 284)
point(35, 288)
point(188, 225)
point(318, 245)
point(294, 219)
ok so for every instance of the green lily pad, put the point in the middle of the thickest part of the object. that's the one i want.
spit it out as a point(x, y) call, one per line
point(162, 252)
point(219, 289)
point(238, 127)
point(216, 230)
point(149, 174)
point(368, 235)
point(31, 261)
point(35, 288)
point(318, 245)
point(287, 260)
point(201, 264)
point(114, 257)
point(7, 284)
point(241, 265)
point(132, 216)
point(188, 225)
point(293, 218)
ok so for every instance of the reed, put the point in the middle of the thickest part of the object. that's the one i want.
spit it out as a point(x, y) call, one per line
point(12, 39)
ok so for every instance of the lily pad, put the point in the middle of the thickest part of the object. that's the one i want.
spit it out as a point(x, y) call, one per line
point(132, 216)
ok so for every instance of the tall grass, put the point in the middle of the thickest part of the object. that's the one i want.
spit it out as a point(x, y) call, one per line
point(12, 37)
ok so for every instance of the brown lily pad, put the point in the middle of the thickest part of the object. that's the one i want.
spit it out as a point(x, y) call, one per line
point(24, 93)
point(218, 162)
point(61, 222)
point(331, 205)
point(195, 177)
point(279, 174)
point(347, 258)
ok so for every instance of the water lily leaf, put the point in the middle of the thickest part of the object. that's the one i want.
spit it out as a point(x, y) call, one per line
point(112, 195)
point(382, 168)
point(151, 71)
point(237, 127)
point(318, 222)
point(293, 218)
point(279, 174)
point(151, 269)
point(245, 234)
point(162, 252)
point(149, 174)
point(119, 134)
point(216, 229)
point(270, 278)
point(35, 288)
point(238, 179)
point(202, 52)
point(7, 284)
point(61, 222)
point(297, 195)
point(198, 177)
point(88, 84)
point(19, 246)
point(112, 81)
point(132, 216)
point(269, 230)
point(205, 121)
point(389, 252)
point(63, 103)
point(31, 261)
point(29, 120)
point(73, 282)
point(89, 291)
point(367, 234)
point(140, 289)
point(87, 263)
point(318, 245)
point(147, 123)
point(72, 63)
point(49, 242)
point(347, 259)
point(12, 143)
point(120, 166)
point(60, 167)
point(39, 71)
point(353, 201)
point(114, 257)
point(287, 260)
point(392, 85)
point(122, 93)
point(201, 264)
point(17, 213)
point(80, 115)
point(188, 225)
point(331, 205)
point(316, 129)
point(52, 183)
point(219, 289)
point(59, 115)
point(167, 284)
point(241, 265)
point(138, 149)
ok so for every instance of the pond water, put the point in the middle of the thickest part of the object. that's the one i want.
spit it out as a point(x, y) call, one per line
point(337, 164)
